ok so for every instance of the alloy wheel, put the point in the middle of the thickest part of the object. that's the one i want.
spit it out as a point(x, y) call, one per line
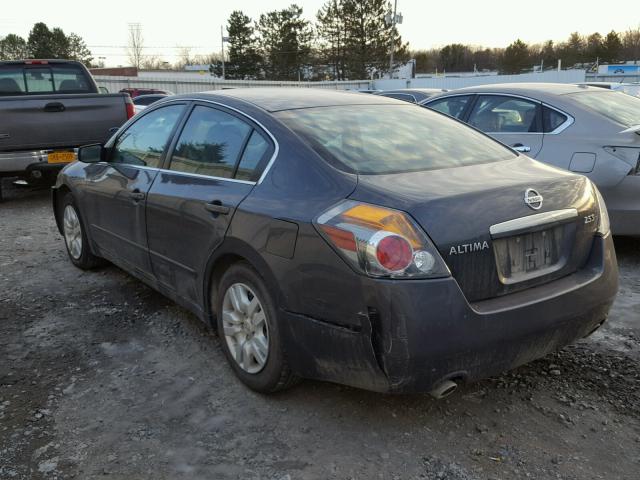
point(72, 232)
point(245, 328)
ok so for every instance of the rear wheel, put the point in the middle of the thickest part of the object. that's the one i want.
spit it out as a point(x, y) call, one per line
point(249, 333)
point(75, 238)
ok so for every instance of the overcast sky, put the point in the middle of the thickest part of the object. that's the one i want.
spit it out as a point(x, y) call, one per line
point(427, 23)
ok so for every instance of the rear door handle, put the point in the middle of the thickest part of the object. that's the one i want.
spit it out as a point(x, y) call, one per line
point(137, 195)
point(217, 207)
point(54, 107)
point(518, 147)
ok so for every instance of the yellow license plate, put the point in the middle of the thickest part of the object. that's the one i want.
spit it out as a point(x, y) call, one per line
point(61, 157)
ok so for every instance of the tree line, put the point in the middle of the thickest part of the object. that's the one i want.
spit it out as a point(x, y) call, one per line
point(44, 42)
point(577, 51)
point(349, 40)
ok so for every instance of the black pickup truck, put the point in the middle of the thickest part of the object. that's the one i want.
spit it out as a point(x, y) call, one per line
point(47, 109)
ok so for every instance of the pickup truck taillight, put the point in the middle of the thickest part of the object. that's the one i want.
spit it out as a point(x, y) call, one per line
point(131, 111)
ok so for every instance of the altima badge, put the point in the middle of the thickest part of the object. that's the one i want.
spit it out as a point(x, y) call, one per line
point(533, 199)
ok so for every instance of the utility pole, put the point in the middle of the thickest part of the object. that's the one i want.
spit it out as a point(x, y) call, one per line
point(393, 19)
point(222, 41)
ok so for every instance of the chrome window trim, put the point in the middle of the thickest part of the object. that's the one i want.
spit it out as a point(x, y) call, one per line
point(531, 221)
point(166, 170)
point(561, 128)
point(388, 95)
point(276, 149)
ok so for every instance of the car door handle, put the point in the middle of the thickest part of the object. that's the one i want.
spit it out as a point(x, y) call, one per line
point(217, 207)
point(137, 195)
point(54, 107)
point(518, 147)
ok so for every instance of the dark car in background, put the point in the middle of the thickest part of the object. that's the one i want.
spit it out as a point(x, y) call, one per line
point(143, 101)
point(411, 95)
point(47, 109)
point(135, 92)
point(344, 237)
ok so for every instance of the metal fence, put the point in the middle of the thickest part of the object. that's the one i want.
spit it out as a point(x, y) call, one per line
point(594, 77)
point(453, 82)
point(115, 84)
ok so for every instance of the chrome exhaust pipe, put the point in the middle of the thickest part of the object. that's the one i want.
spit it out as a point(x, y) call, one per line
point(443, 389)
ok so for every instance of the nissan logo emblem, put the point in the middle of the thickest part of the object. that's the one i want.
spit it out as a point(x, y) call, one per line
point(533, 199)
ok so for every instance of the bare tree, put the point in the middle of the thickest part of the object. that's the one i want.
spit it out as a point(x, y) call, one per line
point(136, 44)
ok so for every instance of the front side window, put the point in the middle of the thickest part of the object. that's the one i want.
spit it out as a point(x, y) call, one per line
point(452, 106)
point(496, 114)
point(144, 142)
point(617, 106)
point(210, 143)
point(377, 139)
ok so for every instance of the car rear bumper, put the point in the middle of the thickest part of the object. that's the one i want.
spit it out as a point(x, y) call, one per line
point(24, 163)
point(415, 334)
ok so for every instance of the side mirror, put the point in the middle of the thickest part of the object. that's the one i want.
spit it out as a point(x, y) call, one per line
point(91, 153)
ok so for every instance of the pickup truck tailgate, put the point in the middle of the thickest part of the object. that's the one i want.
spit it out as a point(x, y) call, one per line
point(58, 121)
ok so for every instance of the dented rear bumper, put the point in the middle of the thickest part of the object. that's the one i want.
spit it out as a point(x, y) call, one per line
point(414, 334)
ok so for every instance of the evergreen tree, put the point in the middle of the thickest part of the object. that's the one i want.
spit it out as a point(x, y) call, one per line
point(78, 50)
point(612, 47)
point(368, 38)
point(331, 33)
point(285, 40)
point(516, 57)
point(244, 59)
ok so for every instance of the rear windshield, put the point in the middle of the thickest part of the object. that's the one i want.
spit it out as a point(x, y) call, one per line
point(43, 79)
point(617, 106)
point(378, 139)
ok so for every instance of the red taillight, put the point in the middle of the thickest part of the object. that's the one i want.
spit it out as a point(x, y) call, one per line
point(394, 253)
point(131, 109)
point(36, 62)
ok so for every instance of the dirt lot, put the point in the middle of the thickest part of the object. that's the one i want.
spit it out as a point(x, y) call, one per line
point(101, 377)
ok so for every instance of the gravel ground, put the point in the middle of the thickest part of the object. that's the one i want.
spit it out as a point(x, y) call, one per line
point(101, 377)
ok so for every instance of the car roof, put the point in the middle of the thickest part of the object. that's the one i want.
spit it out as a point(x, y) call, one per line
point(527, 89)
point(283, 98)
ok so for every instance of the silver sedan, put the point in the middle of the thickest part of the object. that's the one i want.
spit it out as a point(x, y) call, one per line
point(588, 130)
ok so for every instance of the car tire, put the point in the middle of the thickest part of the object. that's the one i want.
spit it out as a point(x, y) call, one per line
point(75, 236)
point(246, 317)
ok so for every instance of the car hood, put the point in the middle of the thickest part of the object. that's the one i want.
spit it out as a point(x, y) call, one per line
point(457, 207)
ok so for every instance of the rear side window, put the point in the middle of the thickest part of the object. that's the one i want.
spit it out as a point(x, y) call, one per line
point(210, 143)
point(374, 139)
point(497, 114)
point(43, 79)
point(11, 81)
point(69, 79)
point(552, 119)
point(617, 106)
point(39, 80)
point(253, 158)
point(452, 106)
point(144, 142)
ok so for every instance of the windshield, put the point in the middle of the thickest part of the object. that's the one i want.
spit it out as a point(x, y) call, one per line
point(375, 139)
point(617, 106)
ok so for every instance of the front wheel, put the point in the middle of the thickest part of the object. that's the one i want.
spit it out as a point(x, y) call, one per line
point(75, 238)
point(249, 332)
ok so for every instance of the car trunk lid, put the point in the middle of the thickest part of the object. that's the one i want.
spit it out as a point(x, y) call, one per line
point(493, 241)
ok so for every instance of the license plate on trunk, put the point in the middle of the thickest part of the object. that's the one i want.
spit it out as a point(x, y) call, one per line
point(530, 255)
point(61, 157)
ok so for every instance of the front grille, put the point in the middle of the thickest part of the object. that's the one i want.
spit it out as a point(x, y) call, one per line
point(529, 255)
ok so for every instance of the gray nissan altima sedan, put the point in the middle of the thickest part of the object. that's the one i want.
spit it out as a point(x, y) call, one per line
point(587, 130)
point(344, 237)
